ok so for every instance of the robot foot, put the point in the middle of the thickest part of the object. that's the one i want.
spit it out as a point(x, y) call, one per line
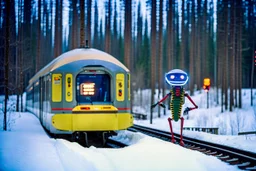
point(173, 141)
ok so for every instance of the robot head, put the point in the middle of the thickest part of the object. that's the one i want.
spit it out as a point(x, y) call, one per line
point(176, 77)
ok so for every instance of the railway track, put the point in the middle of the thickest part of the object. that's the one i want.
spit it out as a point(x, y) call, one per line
point(244, 160)
point(110, 143)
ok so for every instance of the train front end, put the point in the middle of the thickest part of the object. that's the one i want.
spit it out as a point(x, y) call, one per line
point(100, 102)
point(91, 94)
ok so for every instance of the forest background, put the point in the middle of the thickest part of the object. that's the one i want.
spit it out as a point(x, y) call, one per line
point(213, 39)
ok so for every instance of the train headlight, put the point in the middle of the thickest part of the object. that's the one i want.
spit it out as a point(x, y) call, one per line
point(87, 89)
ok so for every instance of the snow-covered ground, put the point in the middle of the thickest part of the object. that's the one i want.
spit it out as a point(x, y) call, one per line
point(228, 123)
point(27, 147)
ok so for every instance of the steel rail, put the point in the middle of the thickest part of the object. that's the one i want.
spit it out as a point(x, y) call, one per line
point(110, 143)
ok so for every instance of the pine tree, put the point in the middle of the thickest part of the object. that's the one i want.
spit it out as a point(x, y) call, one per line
point(89, 6)
point(38, 62)
point(82, 24)
point(107, 26)
point(127, 33)
point(160, 53)
point(153, 54)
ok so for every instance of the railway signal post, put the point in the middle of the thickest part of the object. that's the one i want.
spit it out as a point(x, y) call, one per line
point(206, 87)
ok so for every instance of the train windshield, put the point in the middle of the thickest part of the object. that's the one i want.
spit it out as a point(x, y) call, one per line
point(93, 88)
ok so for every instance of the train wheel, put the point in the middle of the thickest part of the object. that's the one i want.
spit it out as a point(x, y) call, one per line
point(80, 137)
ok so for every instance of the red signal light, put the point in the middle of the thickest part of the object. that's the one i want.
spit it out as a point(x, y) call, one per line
point(120, 92)
point(207, 82)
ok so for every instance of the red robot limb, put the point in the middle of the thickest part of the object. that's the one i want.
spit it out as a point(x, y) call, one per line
point(181, 129)
point(170, 123)
point(189, 98)
point(160, 102)
point(164, 98)
point(182, 119)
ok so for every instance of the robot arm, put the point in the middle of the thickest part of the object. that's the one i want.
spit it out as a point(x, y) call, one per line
point(190, 108)
point(160, 102)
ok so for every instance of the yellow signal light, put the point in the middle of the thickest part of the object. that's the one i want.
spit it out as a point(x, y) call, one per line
point(207, 82)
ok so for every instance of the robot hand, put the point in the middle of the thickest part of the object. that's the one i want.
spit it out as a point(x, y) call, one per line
point(187, 110)
point(154, 105)
point(162, 105)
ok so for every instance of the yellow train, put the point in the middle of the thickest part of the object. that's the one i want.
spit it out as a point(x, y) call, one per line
point(81, 91)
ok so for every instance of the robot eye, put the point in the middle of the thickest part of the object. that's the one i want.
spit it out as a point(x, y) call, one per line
point(182, 77)
point(172, 76)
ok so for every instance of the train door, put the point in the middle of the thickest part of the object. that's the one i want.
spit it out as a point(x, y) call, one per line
point(47, 93)
point(41, 94)
point(47, 102)
point(44, 100)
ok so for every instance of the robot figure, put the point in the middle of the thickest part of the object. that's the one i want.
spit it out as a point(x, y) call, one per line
point(176, 78)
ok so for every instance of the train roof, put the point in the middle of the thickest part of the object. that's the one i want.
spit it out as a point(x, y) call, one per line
point(76, 55)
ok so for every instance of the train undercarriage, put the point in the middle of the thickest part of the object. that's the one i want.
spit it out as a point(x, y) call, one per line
point(87, 139)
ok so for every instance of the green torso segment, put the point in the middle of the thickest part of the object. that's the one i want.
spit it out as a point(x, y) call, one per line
point(177, 100)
